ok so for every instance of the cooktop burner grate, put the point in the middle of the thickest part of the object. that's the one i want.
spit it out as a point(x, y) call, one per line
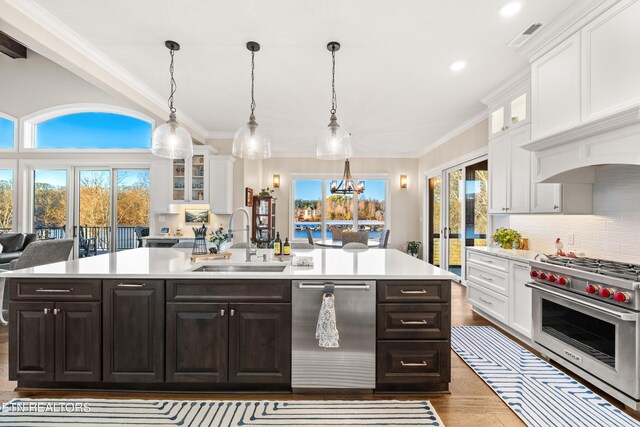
point(607, 268)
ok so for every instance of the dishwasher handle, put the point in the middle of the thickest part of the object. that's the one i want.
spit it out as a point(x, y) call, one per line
point(320, 286)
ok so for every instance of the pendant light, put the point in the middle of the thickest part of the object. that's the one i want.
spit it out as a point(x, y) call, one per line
point(171, 140)
point(334, 142)
point(348, 184)
point(249, 141)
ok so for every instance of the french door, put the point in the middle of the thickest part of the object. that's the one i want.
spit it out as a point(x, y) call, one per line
point(99, 207)
point(457, 214)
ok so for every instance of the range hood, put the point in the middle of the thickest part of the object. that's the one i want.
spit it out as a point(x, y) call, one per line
point(570, 156)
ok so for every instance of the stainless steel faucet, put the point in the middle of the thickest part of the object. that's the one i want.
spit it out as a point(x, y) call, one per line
point(250, 251)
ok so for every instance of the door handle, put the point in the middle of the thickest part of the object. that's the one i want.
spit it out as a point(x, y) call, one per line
point(55, 291)
point(354, 286)
point(75, 231)
point(131, 285)
point(413, 322)
point(423, 363)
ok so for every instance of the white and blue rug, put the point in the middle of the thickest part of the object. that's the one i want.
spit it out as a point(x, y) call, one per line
point(218, 413)
point(537, 392)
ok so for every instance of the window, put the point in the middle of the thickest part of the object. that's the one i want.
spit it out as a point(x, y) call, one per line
point(50, 203)
point(92, 130)
point(7, 132)
point(6, 200)
point(316, 209)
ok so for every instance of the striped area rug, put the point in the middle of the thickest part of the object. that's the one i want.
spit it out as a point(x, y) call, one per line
point(537, 392)
point(218, 413)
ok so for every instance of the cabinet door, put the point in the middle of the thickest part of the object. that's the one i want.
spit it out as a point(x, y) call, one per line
point(179, 180)
point(610, 62)
point(545, 198)
point(499, 157)
point(197, 342)
point(519, 183)
point(221, 185)
point(31, 341)
point(198, 179)
point(133, 331)
point(555, 89)
point(78, 341)
point(260, 343)
point(497, 121)
point(520, 299)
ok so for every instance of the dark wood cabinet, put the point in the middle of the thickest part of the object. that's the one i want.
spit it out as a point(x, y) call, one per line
point(197, 342)
point(133, 331)
point(263, 220)
point(77, 343)
point(260, 343)
point(55, 342)
point(31, 341)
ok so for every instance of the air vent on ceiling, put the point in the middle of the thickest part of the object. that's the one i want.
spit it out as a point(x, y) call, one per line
point(524, 37)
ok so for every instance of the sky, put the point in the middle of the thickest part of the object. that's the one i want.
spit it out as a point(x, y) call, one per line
point(6, 133)
point(59, 177)
point(93, 130)
point(6, 175)
point(312, 189)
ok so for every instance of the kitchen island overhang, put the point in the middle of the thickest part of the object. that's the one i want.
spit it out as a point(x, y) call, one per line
point(145, 320)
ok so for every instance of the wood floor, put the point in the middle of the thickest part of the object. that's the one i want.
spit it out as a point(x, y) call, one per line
point(471, 402)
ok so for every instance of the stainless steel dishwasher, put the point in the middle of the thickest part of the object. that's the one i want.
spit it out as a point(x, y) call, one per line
point(353, 364)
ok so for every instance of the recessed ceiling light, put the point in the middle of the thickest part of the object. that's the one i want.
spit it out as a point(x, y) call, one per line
point(458, 66)
point(510, 8)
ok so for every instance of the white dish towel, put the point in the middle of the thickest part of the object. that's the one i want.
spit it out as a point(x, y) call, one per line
point(327, 330)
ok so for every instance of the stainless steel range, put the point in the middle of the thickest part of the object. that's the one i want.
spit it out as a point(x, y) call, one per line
point(585, 317)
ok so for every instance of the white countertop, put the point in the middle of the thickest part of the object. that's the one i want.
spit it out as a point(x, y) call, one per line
point(514, 254)
point(170, 263)
point(166, 237)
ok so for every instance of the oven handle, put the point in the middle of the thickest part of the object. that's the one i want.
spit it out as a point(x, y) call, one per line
point(628, 317)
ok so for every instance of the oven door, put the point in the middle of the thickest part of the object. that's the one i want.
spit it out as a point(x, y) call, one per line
point(597, 337)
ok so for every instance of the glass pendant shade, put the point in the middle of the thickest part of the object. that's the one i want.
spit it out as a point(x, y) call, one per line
point(250, 142)
point(172, 141)
point(334, 142)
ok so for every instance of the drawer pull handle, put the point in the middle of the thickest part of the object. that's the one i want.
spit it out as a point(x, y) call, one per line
point(489, 279)
point(422, 291)
point(222, 313)
point(131, 285)
point(423, 363)
point(55, 291)
point(232, 313)
point(486, 301)
point(56, 311)
point(413, 322)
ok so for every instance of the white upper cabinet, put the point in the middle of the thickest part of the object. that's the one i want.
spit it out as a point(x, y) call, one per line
point(189, 177)
point(510, 114)
point(555, 89)
point(221, 184)
point(611, 61)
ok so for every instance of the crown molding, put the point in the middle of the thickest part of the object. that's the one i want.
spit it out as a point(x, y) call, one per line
point(455, 132)
point(45, 34)
point(520, 79)
point(577, 15)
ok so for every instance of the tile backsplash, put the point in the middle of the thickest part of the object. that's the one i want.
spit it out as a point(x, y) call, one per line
point(612, 232)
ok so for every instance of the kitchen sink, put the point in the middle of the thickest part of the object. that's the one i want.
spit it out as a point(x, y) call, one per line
point(251, 268)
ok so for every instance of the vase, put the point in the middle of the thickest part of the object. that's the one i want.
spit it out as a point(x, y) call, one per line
point(222, 248)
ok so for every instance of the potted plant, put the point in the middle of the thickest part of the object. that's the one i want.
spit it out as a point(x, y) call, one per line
point(507, 238)
point(413, 247)
point(266, 192)
point(218, 239)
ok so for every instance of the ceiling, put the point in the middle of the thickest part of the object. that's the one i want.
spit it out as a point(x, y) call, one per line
point(396, 93)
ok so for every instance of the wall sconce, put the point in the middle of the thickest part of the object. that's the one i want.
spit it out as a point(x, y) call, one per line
point(403, 181)
point(276, 181)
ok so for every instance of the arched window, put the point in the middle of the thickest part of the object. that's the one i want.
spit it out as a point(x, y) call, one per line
point(7, 132)
point(86, 128)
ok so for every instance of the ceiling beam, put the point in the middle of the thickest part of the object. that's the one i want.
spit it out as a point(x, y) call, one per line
point(12, 48)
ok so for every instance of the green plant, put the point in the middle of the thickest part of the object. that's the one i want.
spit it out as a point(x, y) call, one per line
point(505, 237)
point(218, 237)
point(266, 192)
point(413, 247)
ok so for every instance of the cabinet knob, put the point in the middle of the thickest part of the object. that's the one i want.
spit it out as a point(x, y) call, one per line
point(232, 312)
point(56, 311)
point(222, 312)
point(556, 207)
point(46, 311)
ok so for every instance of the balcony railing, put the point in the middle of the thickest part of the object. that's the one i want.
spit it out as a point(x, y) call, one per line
point(126, 236)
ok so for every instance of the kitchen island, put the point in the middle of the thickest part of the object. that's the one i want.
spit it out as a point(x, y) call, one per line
point(150, 319)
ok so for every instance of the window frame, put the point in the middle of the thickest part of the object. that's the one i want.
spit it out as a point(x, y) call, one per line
point(12, 165)
point(15, 133)
point(30, 122)
point(326, 179)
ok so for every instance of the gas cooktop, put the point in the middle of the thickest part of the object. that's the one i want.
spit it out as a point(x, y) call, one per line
point(616, 269)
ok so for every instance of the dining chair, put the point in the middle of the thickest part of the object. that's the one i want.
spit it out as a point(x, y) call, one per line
point(384, 238)
point(355, 236)
point(310, 237)
point(336, 233)
point(355, 245)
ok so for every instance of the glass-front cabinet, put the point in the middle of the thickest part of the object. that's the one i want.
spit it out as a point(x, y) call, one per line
point(189, 178)
point(510, 114)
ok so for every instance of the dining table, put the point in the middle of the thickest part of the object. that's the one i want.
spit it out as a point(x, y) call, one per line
point(330, 243)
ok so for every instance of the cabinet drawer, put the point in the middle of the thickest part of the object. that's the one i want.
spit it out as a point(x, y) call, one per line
point(411, 362)
point(490, 261)
point(55, 289)
point(414, 291)
point(490, 279)
point(414, 321)
point(490, 302)
point(229, 290)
